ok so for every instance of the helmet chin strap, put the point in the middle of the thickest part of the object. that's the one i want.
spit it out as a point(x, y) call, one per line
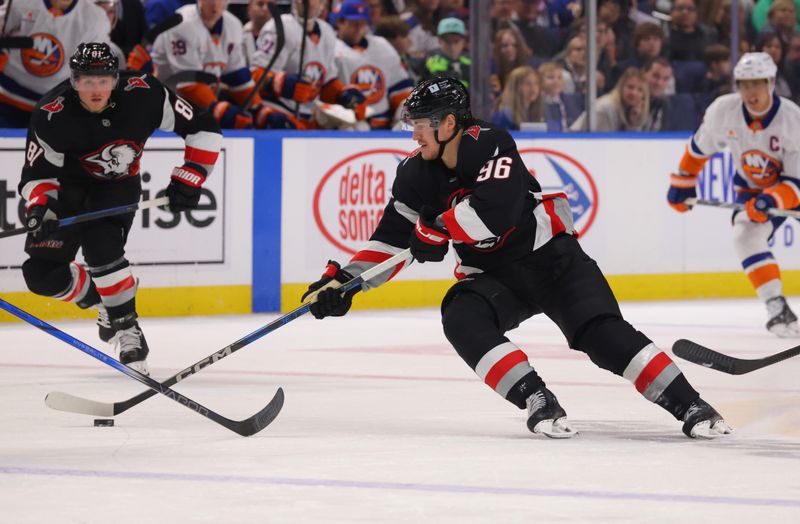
point(443, 144)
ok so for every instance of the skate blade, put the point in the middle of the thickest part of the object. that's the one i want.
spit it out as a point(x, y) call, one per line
point(140, 366)
point(704, 430)
point(790, 330)
point(558, 428)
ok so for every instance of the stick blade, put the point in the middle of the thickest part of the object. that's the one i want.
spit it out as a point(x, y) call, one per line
point(693, 352)
point(251, 426)
point(72, 404)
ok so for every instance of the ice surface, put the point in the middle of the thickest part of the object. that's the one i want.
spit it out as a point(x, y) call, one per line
point(384, 423)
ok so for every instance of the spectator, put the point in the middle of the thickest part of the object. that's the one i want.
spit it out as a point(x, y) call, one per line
point(538, 39)
point(625, 108)
point(782, 16)
point(606, 54)
point(376, 12)
point(711, 13)
point(156, 11)
point(658, 74)
point(395, 31)
point(521, 100)
point(450, 60)
point(560, 111)
point(258, 14)
point(502, 15)
point(770, 43)
point(746, 31)
point(687, 38)
point(508, 52)
point(574, 64)
point(614, 13)
point(647, 43)
point(128, 24)
point(422, 20)
point(761, 13)
point(792, 66)
point(718, 77)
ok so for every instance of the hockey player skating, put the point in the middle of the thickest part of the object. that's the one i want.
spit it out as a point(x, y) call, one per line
point(517, 256)
point(84, 143)
point(760, 129)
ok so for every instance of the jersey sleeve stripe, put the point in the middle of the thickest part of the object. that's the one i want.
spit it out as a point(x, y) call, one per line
point(50, 154)
point(36, 188)
point(465, 225)
point(200, 156)
point(167, 114)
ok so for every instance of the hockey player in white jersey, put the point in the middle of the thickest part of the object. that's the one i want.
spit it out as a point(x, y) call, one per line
point(760, 128)
point(57, 27)
point(286, 86)
point(208, 39)
point(370, 61)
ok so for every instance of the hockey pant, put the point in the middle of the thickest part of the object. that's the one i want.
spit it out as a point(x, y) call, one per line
point(51, 269)
point(751, 241)
point(565, 284)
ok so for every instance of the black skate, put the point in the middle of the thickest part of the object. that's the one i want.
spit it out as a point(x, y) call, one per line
point(129, 343)
point(782, 321)
point(546, 416)
point(703, 421)
point(104, 329)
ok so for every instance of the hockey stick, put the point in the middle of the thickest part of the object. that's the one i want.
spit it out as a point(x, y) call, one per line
point(730, 205)
point(194, 77)
point(16, 42)
point(246, 427)
point(280, 37)
point(302, 51)
point(92, 215)
point(66, 402)
point(694, 352)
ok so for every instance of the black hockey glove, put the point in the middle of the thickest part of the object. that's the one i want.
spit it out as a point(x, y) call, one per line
point(330, 302)
point(41, 217)
point(430, 238)
point(184, 187)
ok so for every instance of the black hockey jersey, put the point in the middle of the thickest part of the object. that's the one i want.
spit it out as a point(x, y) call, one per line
point(492, 206)
point(67, 143)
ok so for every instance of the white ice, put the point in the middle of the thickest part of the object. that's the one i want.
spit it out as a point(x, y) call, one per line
point(383, 422)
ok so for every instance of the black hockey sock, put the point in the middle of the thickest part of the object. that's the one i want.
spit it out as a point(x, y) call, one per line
point(677, 397)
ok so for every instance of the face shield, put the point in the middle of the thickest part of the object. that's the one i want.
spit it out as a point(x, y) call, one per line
point(86, 83)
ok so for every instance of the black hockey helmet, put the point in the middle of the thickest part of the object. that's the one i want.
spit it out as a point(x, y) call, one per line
point(436, 98)
point(94, 58)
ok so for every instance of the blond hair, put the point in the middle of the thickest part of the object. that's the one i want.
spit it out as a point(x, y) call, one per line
point(616, 97)
point(511, 99)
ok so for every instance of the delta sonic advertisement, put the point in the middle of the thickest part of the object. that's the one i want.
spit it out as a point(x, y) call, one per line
point(208, 248)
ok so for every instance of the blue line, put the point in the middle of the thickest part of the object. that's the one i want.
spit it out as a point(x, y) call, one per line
point(403, 486)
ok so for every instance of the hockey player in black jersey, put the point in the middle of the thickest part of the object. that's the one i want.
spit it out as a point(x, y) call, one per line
point(517, 256)
point(85, 140)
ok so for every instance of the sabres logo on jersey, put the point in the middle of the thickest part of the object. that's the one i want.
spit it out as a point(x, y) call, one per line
point(136, 81)
point(371, 81)
point(46, 56)
point(53, 107)
point(760, 168)
point(315, 73)
point(115, 160)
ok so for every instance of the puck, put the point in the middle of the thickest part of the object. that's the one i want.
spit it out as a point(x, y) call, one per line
point(101, 422)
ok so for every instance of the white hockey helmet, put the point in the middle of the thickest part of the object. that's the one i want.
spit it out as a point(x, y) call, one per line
point(755, 66)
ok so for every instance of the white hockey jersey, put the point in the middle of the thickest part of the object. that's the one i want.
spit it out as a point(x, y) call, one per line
point(319, 64)
point(190, 46)
point(765, 152)
point(56, 34)
point(375, 65)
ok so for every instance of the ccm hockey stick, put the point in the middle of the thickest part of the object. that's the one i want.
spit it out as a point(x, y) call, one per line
point(92, 215)
point(730, 205)
point(66, 402)
point(280, 40)
point(694, 352)
point(246, 427)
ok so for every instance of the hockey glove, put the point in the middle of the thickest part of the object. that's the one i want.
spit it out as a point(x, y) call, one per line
point(682, 187)
point(353, 98)
point(757, 207)
point(330, 302)
point(184, 188)
point(139, 59)
point(295, 87)
point(41, 216)
point(430, 238)
point(229, 116)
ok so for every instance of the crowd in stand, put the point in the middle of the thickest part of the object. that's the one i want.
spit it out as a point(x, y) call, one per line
point(659, 62)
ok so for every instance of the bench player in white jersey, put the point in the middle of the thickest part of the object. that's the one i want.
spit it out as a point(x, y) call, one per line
point(57, 27)
point(286, 86)
point(760, 128)
point(208, 39)
point(370, 61)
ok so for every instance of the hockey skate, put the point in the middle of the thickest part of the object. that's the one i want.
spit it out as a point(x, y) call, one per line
point(703, 421)
point(782, 321)
point(129, 343)
point(104, 329)
point(546, 416)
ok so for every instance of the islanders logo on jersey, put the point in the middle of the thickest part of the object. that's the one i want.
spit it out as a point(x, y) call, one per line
point(371, 81)
point(351, 196)
point(560, 173)
point(760, 168)
point(315, 73)
point(114, 160)
point(46, 56)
